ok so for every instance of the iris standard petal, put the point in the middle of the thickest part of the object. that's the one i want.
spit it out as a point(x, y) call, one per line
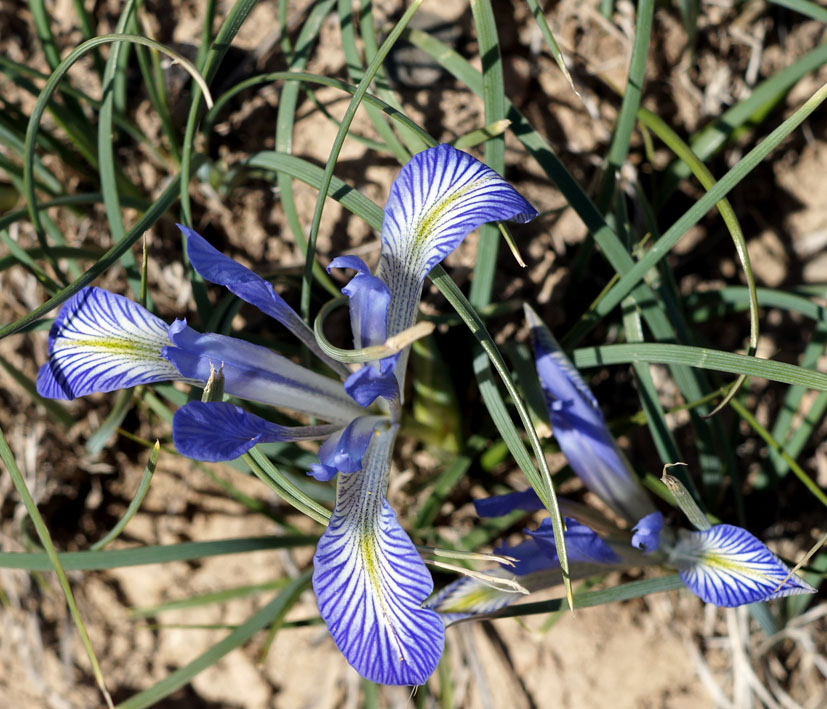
point(215, 267)
point(368, 383)
point(727, 566)
point(369, 298)
point(370, 582)
point(646, 533)
point(214, 431)
point(344, 450)
point(580, 429)
point(101, 341)
point(438, 198)
point(583, 545)
point(259, 374)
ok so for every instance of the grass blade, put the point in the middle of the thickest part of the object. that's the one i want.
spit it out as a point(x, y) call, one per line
point(53, 559)
point(135, 504)
point(493, 97)
point(141, 556)
point(370, 73)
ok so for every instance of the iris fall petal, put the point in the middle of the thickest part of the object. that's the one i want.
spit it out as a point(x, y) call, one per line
point(101, 342)
point(727, 566)
point(370, 582)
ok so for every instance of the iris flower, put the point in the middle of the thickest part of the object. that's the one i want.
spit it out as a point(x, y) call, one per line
point(723, 564)
point(369, 580)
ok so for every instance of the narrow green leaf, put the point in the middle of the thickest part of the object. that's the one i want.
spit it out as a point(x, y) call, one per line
point(702, 358)
point(493, 98)
point(141, 556)
point(53, 560)
point(370, 73)
point(624, 592)
point(808, 482)
point(735, 175)
point(156, 210)
point(229, 28)
point(135, 503)
point(619, 148)
point(704, 176)
point(557, 55)
point(805, 7)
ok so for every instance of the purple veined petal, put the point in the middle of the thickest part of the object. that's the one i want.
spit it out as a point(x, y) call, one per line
point(646, 535)
point(439, 197)
point(215, 267)
point(369, 298)
point(499, 505)
point(100, 342)
point(258, 374)
point(370, 582)
point(727, 566)
point(581, 431)
point(214, 431)
point(344, 450)
point(583, 545)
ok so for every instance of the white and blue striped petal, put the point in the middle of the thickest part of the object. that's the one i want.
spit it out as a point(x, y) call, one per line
point(438, 198)
point(100, 342)
point(215, 267)
point(727, 566)
point(580, 429)
point(214, 431)
point(370, 582)
point(258, 374)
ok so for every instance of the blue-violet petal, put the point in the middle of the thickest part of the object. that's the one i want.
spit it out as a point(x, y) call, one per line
point(369, 298)
point(213, 431)
point(439, 197)
point(583, 545)
point(646, 533)
point(215, 267)
point(499, 505)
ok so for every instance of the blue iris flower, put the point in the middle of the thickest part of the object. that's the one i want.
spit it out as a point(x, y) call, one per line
point(724, 565)
point(369, 580)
